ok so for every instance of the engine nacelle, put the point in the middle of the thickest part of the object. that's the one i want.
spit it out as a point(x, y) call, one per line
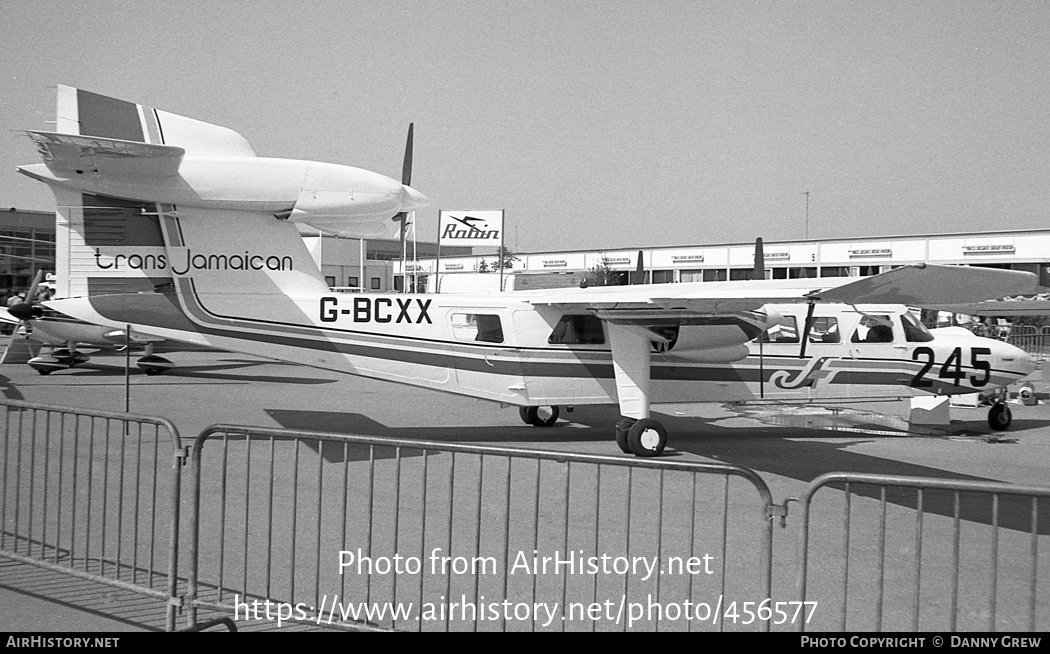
point(350, 214)
point(726, 354)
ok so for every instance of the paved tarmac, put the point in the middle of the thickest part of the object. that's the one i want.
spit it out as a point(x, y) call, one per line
point(787, 446)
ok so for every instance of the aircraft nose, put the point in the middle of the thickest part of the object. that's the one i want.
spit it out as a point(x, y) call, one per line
point(1017, 359)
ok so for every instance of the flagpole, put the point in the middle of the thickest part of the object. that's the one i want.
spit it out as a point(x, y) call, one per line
point(499, 257)
point(437, 265)
point(415, 257)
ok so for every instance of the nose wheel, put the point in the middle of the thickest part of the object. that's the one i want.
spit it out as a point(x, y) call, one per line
point(1000, 417)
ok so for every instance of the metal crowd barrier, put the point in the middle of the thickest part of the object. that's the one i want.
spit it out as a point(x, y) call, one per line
point(1033, 340)
point(436, 536)
point(358, 532)
point(93, 494)
point(897, 544)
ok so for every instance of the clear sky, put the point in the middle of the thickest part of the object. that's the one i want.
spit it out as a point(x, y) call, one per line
point(594, 124)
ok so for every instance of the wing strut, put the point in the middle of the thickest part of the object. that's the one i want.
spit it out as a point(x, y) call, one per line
point(806, 329)
point(637, 433)
point(631, 365)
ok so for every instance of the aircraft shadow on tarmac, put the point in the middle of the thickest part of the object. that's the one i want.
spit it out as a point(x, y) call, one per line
point(9, 391)
point(794, 452)
point(360, 425)
point(212, 372)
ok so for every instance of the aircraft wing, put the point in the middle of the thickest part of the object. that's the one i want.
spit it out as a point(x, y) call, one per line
point(697, 297)
point(927, 285)
point(923, 285)
point(1019, 307)
point(72, 153)
point(6, 317)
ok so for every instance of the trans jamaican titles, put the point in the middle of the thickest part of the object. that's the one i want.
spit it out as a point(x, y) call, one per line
point(181, 266)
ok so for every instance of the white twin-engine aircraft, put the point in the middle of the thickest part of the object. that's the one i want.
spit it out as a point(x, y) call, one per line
point(176, 228)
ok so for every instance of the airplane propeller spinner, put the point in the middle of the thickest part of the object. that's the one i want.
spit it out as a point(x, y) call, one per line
point(26, 310)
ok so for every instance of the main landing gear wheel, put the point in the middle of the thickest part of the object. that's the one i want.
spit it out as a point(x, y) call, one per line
point(45, 364)
point(622, 427)
point(539, 416)
point(1000, 417)
point(647, 437)
point(151, 364)
point(69, 357)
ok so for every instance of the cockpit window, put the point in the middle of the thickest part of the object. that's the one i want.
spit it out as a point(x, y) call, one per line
point(873, 329)
point(914, 331)
point(577, 330)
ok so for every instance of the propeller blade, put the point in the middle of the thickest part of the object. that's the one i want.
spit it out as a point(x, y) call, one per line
point(406, 168)
point(402, 216)
point(760, 260)
point(406, 178)
point(25, 310)
point(31, 293)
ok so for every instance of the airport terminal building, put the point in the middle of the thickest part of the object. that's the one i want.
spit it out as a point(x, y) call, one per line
point(27, 244)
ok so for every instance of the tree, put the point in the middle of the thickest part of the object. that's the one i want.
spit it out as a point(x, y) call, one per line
point(505, 259)
point(602, 275)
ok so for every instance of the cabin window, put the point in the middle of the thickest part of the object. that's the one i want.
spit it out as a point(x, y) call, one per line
point(785, 332)
point(825, 330)
point(483, 327)
point(873, 329)
point(914, 332)
point(577, 330)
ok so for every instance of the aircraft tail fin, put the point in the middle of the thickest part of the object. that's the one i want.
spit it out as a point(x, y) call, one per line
point(109, 246)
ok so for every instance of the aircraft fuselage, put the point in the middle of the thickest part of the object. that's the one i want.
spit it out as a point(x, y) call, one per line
point(503, 348)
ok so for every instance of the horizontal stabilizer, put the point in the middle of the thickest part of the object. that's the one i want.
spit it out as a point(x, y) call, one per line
point(70, 153)
point(926, 285)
